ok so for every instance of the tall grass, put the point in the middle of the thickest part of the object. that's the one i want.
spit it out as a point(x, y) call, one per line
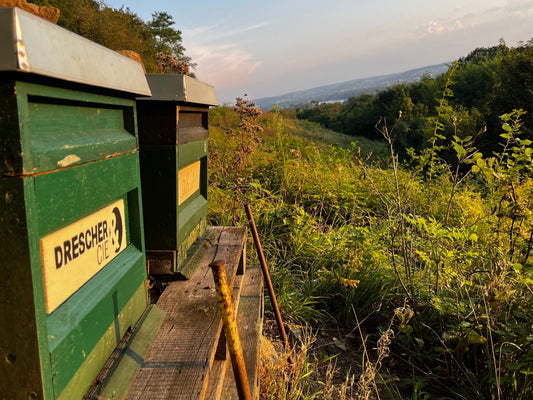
point(347, 228)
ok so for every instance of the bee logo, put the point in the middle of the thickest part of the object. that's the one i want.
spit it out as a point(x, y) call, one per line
point(118, 233)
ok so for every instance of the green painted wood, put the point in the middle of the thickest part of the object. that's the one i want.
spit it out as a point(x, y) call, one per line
point(204, 176)
point(75, 328)
point(157, 123)
point(187, 202)
point(192, 126)
point(64, 135)
point(56, 204)
point(60, 127)
point(10, 144)
point(192, 254)
point(41, 126)
point(135, 223)
point(20, 364)
point(191, 152)
point(172, 136)
point(189, 217)
point(93, 362)
point(62, 93)
point(32, 223)
point(159, 182)
point(66, 324)
point(64, 195)
point(162, 214)
point(118, 381)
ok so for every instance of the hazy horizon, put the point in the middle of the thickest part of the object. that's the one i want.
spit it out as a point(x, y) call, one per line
point(270, 49)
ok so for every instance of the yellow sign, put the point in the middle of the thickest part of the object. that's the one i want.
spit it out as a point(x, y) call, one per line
point(74, 254)
point(188, 181)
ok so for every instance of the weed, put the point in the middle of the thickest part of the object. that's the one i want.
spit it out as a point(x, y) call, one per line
point(442, 249)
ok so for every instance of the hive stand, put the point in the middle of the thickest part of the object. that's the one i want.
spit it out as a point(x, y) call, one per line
point(188, 358)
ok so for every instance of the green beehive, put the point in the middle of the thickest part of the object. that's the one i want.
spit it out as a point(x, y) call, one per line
point(173, 136)
point(71, 237)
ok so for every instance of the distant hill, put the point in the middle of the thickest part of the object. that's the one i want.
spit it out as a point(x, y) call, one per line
point(344, 90)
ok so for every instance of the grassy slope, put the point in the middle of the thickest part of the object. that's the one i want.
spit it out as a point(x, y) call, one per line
point(349, 240)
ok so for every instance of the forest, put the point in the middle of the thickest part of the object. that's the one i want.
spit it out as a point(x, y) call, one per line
point(484, 85)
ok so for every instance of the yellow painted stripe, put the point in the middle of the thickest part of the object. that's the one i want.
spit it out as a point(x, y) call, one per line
point(188, 181)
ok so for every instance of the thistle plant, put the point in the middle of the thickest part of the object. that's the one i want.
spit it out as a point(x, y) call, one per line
point(246, 140)
point(168, 65)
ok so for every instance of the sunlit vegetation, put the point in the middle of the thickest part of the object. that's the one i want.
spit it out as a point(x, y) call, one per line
point(422, 251)
point(487, 83)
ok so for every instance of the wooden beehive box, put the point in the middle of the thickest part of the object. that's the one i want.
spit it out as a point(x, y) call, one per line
point(71, 236)
point(173, 132)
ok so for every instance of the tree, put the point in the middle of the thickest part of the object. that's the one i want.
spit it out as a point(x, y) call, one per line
point(361, 116)
point(122, 29)
point(167, 40)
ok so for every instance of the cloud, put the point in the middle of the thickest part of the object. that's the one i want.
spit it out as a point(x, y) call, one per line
point(214, 33)
point(437, 28)
point(519, 6)
point(223, 66)
point(222, 62)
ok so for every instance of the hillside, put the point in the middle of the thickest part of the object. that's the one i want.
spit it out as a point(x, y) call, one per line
point(344, 90)
point(415, 279)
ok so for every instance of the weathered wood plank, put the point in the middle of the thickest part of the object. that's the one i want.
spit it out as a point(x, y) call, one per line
point(249, 323)
point(219, 369)
point(178, 363)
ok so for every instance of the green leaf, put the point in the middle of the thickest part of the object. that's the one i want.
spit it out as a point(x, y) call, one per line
point(441, 350)
point(460, 150)
point(475, 338)
point(407, 329)
point(505, 117)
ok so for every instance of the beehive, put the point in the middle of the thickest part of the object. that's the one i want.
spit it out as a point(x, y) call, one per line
point(173, 133)
point(71, 236)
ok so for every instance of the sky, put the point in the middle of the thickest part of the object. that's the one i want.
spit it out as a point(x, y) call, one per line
point(274, 47)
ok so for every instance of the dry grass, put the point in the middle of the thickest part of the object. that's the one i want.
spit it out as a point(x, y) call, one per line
point(322, 369)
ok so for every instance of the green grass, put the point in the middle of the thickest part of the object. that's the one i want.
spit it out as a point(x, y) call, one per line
point(448, 261)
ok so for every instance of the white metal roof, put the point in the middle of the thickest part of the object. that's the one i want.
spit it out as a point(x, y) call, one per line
point(31, 44)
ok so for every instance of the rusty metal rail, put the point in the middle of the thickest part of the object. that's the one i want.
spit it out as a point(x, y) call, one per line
point(268, 282)
point(230, 329)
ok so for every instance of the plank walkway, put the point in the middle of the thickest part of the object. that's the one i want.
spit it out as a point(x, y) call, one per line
point(250, 324)
point(183, 361)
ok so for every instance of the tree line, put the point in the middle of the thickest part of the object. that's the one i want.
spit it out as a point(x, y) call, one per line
point(480, 87)
point(122, 29)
